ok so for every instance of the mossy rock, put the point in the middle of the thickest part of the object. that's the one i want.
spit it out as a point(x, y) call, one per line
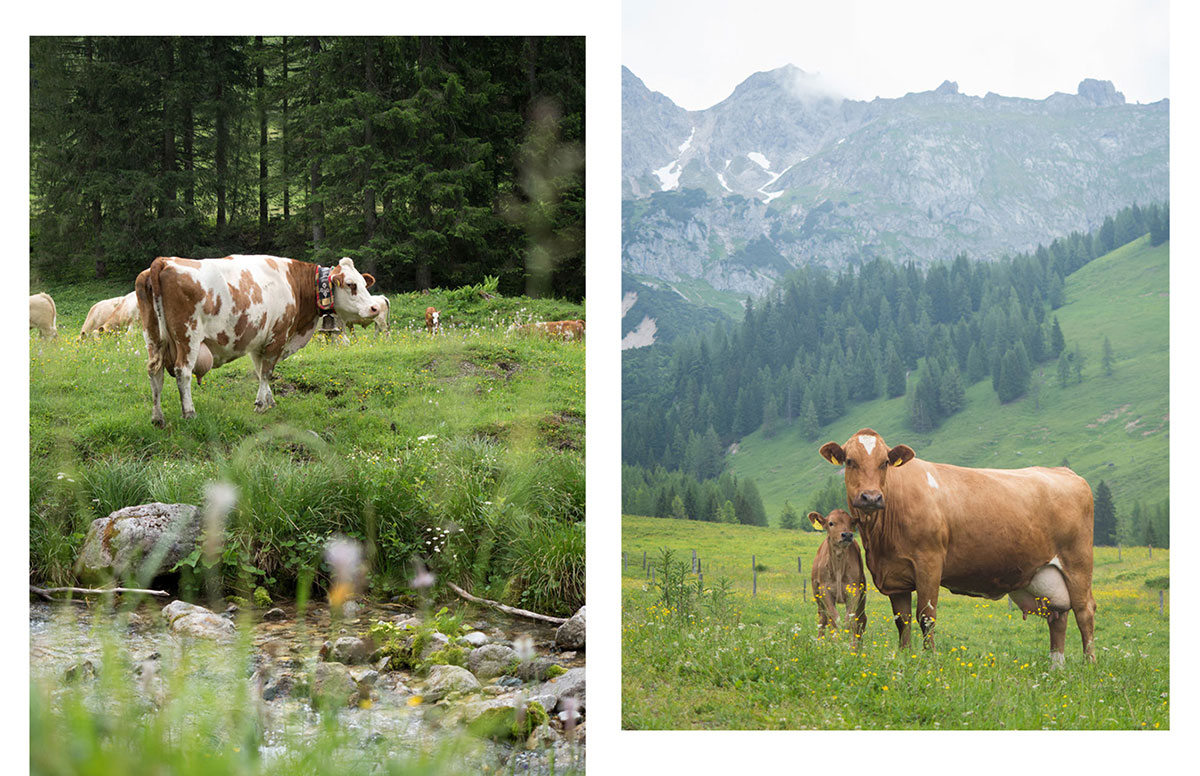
point(262, 599)
point(504, 722)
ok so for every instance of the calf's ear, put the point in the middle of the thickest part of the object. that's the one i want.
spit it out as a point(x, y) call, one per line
point(816, 519)
point(833, 452)
point(900, 455)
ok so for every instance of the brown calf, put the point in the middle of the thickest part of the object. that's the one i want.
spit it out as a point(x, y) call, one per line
point(837, 575)
point(433, 320)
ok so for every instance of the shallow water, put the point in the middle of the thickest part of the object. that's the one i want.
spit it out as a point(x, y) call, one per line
point(62, 637)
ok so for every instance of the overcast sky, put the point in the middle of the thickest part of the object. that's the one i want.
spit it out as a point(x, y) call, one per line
point(697, 51)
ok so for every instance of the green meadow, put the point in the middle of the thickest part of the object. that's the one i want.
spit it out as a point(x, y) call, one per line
point(730, 659)
point(380, 438)
point(1112, 428)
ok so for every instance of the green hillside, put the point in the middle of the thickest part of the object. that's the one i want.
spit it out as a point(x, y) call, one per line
point(1111, 428)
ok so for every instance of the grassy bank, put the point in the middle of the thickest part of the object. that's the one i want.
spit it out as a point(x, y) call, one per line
point(755, 662)
point(383, 439)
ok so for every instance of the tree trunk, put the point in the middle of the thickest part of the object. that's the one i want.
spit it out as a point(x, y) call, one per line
point(222, 139)
point(262, 144)
point(188, 129)
point(369, 218)
point(315, 206)
point(166, 203)
point(287, 206)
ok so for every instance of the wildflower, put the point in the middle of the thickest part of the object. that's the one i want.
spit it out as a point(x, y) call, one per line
point(415, 700)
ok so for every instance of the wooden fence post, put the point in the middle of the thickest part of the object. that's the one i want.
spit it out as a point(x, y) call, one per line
point(652, 576)
point(624, 562)
point(799, 565)
point(804, 595)
point(1149, 551)
point(1118, 553)
point(754, 568)
point(1160, 602)
point(643, 560)
point(693, 561)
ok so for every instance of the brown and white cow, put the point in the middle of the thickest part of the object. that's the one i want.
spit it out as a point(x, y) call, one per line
point(433, 320)
point(43, 315)
point(837, 575)
point(979, 532)
point(265, 306)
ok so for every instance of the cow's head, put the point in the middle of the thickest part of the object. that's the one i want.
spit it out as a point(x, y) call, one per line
point(867, 460)
point(350, 298)
point(839, 526)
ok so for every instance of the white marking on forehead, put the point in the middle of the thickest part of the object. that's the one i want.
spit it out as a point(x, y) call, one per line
point(929, 478)
point(868, 442)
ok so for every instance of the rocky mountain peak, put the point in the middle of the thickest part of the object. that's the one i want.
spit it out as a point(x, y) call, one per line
point(1101, 93)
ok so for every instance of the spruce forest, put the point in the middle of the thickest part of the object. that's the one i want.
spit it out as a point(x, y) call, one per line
point(431, 161)
point(822, 341)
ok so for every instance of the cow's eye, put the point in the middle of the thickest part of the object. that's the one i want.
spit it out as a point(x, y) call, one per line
point(883, 466)
point(850, 463)
point(353, 288)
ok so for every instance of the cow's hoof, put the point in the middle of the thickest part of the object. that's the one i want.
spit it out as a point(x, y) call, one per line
point(159, 422)
point(1057, 660)
point(189, 414)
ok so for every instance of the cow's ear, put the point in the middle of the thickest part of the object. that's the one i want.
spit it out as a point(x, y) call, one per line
point(367, 276)
point(833, 452)
point(816, 519)
point(900, 455)
point(336, 277)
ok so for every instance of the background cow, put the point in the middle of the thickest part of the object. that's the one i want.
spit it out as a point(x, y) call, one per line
point(433, 320)
point(979, 532)
point(380, 321)
point(124, 315)
point(43, 315)
point(98, 314)
point(837, 575)
point(567, 330)
point(265, 306)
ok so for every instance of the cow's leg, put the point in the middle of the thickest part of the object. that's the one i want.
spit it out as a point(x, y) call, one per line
point(1058, 638)
point(154, 368)
point(927, 595)
point(827, 614)
point(156, 386)
point(856, 612)
point(183, 377)
point(902, 614)
point(262, 367)
point(1083, 603)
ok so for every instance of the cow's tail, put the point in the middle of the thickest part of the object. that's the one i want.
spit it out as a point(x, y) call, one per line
point(154, 321)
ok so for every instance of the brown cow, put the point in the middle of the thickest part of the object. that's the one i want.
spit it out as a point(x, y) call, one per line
point(837, 575)
point(567, 330)
point(978, 532)
point(433, 320)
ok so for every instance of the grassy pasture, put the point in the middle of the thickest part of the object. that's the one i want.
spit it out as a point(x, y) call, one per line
point(1114, 428)
point(379, 439)
point(760, 665)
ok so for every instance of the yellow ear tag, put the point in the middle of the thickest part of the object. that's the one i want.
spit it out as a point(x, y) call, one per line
point(898, 462)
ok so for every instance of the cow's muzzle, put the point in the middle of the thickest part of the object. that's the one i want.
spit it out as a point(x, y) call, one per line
point(847, 537)
point(869, 501)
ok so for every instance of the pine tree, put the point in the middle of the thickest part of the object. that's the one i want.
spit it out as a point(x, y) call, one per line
point(1104, 533)
point(788, 518)
point(1064, 369)
point(896, 378)
point(1057, 343)
point(809, 421)
point(1107, 360)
